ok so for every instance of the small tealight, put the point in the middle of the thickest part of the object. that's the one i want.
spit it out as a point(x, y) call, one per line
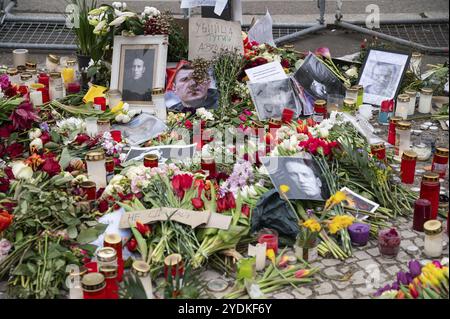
point(413, 250)
point(291, 259)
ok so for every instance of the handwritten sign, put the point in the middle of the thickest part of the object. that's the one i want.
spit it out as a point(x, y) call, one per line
point(209, 36)
point(261, 31)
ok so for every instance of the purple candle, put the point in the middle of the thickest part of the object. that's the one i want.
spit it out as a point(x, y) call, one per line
point(359, 233)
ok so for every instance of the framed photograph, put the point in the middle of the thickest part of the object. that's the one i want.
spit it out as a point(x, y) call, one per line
point(301, 174)
point(139, 66)
point(381, 75)
point(164, 152)
point(317, 79)
point(270, 98)
point(359, 202)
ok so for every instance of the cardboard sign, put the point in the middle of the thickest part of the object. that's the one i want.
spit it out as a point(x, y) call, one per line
point(209, 36)
point(261, 31)
point(184, 216)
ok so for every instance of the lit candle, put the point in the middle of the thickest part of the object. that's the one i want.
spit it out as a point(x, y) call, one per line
point(270, 237)
point(36, 98)
point(95, 162)
point(359, 233)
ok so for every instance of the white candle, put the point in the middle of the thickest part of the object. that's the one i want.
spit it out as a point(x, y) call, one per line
point(402, 106)
point(20, 57)
point(258, 251)
point(91, 126)
point(426, 95)
point(158, 100)
point(36, 98)
point(95, 162)
point(412, 101)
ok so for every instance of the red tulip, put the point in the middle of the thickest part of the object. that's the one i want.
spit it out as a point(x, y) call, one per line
point(231, 202)
point(45, 137)
point(221, 205)
point(5, 220)
point(132, 244)
point(82, 138)
point(103, 206)
point(143, 229)
point(188, 124)
point(197, 203)
point(245, 210)
point(181, 183)
point(285, 63)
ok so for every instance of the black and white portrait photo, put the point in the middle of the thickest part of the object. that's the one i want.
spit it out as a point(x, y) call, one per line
point(137, 83)
point(183, 94)
point(301, 174)
point(270, 98)
point(317, 79)
point(382, 74)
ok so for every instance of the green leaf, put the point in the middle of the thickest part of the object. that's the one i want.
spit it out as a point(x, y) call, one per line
point(65, 158)
point(72, 231)
point(89, 235)
point(142, 244)
point(55, 136)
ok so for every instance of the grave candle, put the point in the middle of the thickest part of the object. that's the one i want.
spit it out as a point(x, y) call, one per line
point(408, 166)
point(392, 129)
point(142, 270)
point(208, 164)
point(426, 94)
point(422, 213)
point(287, 115)
point(116, 135)
point(95, 162)
point(402, 106)
point(173, 264)
point(429, 189)
point(433, 238)
point(151, 160)
point(20, 57)
point(412, 101)
point(111, 288)
point(115, 241)
point(440, 161)
point(270, 237)
point(88, 189)
point(73, 88)
point(36, 98)
point(359, 233)
point(94, 285)
point(114, 97)
point(259, 252)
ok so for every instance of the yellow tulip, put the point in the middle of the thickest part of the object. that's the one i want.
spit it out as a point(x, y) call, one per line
point(270, 254)
point(335, 199)
point(284, 188)
point(117, 108)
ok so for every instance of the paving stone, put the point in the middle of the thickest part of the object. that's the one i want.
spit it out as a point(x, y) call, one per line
point(365, 291)
point(351, 260)
point(406, 243)
point(367, 263)
point(332, 272)
point(341, 284)
point(283, 295)
point(331, 262)
point(329, 297)
point(344, 269)
point(375, 252)
point(403, 257)
point(210, 274)
point(387, 261)
point(393, 270)
point(302, 293)
point(358, 278)
point(361, 255)
point(347, 293)
point(324, 288)
point(3, 286)
point(419, 242)
point(408, 234)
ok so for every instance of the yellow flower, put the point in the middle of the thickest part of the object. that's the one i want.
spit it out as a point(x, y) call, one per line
point(284, 188)
point(270, 253)
point(340, 222)
point(312, 225)
point(117, 108)
point(335, 200)
point(334, 228)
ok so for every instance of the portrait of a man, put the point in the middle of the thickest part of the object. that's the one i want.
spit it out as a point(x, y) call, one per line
point(317, 79)
point(137, 81)
point(300, 174)
point(382, 77)
point(270, 98)
point(185, 94)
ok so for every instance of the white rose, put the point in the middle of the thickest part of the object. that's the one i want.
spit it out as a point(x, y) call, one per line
point(35, 133)
point(324, 132)
point(252, 191)
point(119, 117)
point(126, 119)
point(116, 179)
point(36, 144)
point(117, 5)
point(131, 113)
point(22, 171)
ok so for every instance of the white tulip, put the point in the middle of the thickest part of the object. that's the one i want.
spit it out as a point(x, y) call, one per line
point(22, 171)
point(36, 144)
point(119, 117)
point(131, 113)
point(35, 133)
point(126, 119)
point(125, 107)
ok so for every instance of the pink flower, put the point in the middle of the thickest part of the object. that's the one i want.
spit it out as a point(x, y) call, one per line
point(51, 166)
point(247, 112)
point(323, 52)
point(4, 81)
point(24, 116)
point(242, 117)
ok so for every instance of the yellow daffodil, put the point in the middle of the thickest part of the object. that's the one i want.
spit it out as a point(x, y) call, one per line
point(335, 199)
point(313, 225)
point(340, 222)
point(334, 228)
point(284, 188)
point(271, 255)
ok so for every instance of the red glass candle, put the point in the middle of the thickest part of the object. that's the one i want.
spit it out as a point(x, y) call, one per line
point(45, 94)
point(94, 285)
point(287, 115)
point(257, 129)
point(115, 241)
point(173, 264)
point(270, 237)
point(89, 189)
point(422, 213)
point(151, 160)
point(429, 189)
point(440, 161)
point(109, 165)
point(100, 103)
point(116, 135)
point(112, 287)
point(408, 167)
point(392, 132)
point(91, 266)
point(73, 88)
point(23, 90)
point(44, 79)
point(320, 111)
point(208, 164)
point(379, 151)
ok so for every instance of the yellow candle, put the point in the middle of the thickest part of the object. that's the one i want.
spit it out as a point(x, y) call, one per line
point(68, 75)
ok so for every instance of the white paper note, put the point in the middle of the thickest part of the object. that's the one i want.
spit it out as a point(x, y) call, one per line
point(268, 72)
point(261, 32)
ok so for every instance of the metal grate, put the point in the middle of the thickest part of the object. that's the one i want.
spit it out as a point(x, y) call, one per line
point(431, 35)
point(40, 33)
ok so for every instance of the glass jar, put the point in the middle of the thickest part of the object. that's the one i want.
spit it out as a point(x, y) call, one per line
point(52, 63)
point(13, 75)
point(44, 79)
point(109, 164)
point(36, 98)
point(112, 287)
point(20, 57)
point(349, 105)
point(208, 164)
point(379, 151)
point(402, 106)
point(96, 170)
point(408, 167)
point(360, 98)
point(114, 97)
point(142, 270)
point(26, 79)
point(99, 103)
point(412, 101)
point(160, 104)
point(74, 282)
point(270, 237)
point(402, 137)
point(106, 256)
point(174, 265)
point(429, 189)
point(433, 238)
point(91, 126)
point(56, 88)
point(359, 234)
point(103, 126)
point(93, 285)
point(422, 213)
point(426, 95)
point(389, 242)
point(151, 160)
point(392, 129)
point(352, 93)
point(89, 189)
point(306, 251)
point(68, 73)
point(440, 161)
point(320, 111)
point(73, 88)
point(45, 94)
point(115, 241)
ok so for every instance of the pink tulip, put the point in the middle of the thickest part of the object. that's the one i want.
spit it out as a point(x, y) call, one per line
point(324, 52)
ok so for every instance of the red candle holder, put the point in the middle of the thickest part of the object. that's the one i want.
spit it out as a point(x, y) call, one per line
point(73, 88)
point(392, 131)
point(93, 285)
point(174, 265)
point(91, 267)
point(270, 237)
point(115, 241)
point(430, 189)
point(116, 135)
point(208, 164)
point(379, 151)
point(151, 160)
point(100, 103)
point(287, 115)
point(422, 213)
point(44, 79)
point(440, 161)
point(89, 189)
point(109, 165)
point(408, 167)
point(320, 110)
point(112, 287)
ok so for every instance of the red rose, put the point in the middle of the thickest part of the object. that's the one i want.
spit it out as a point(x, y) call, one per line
point(82, 138)
point(143, 229)
point(2, 150)
point(132, 244)
point(4, 184)
point(51, 166)
point(45, 137)
point(197, 203)
point(14, 150)
point(8, 171)
point(103, 206)
point(6, 131)
point(188, 125)
point(5, 220)
point(285, 63)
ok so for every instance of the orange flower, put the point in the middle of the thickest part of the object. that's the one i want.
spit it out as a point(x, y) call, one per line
point(301, 273)
point(5, 220)
point(34, 161)
point(400, 295)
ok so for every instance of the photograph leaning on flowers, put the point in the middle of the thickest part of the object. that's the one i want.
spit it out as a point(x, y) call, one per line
point(224, 149)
